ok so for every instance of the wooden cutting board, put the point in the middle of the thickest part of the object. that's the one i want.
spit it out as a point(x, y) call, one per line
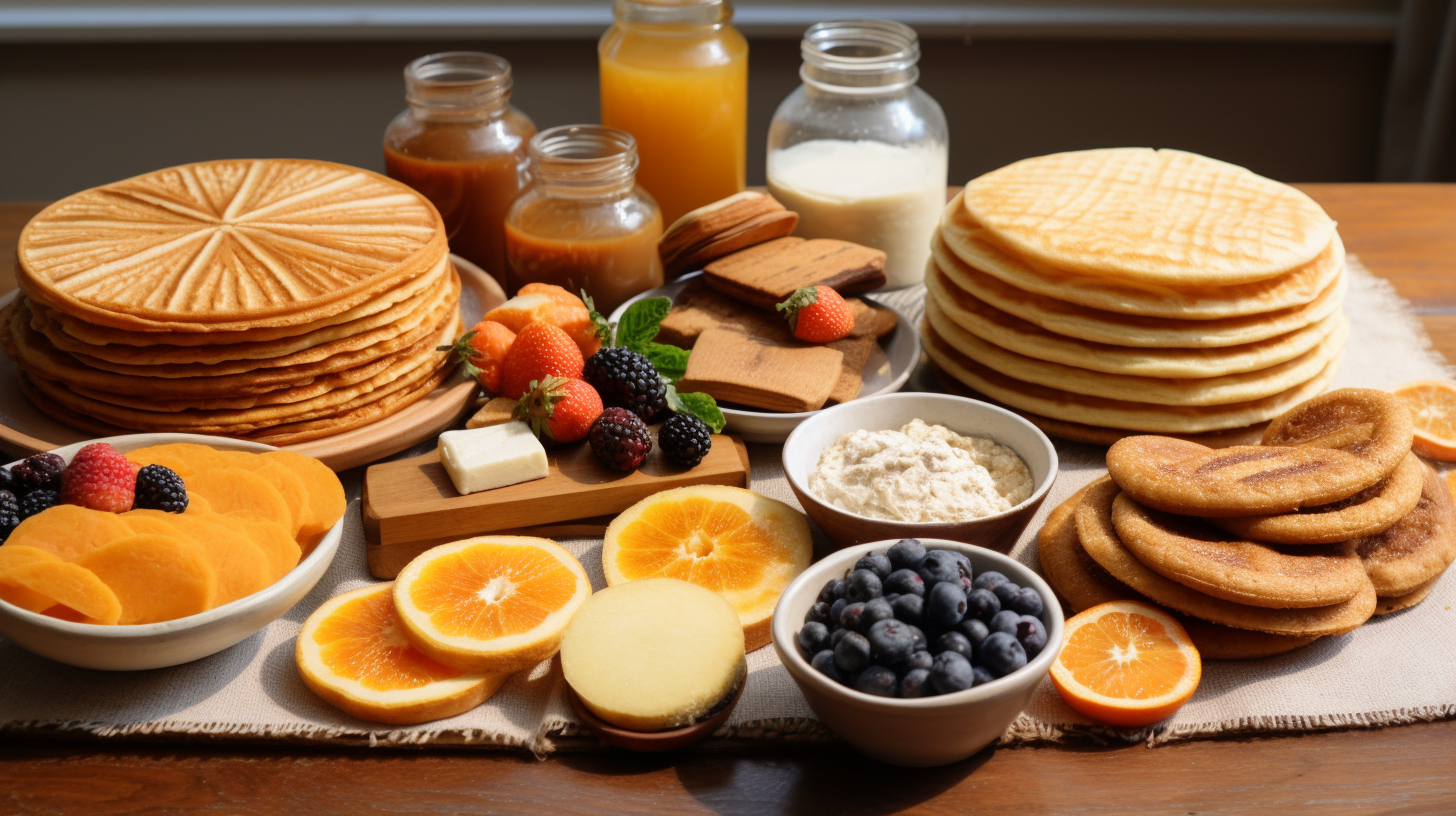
point(411, 505)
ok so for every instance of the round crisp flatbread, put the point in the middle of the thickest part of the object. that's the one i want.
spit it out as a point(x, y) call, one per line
point(1160, 216)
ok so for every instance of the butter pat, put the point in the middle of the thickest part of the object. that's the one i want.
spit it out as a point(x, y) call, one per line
point(495, 456)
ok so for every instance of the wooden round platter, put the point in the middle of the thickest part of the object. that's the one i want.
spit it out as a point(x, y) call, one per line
point(26, 429)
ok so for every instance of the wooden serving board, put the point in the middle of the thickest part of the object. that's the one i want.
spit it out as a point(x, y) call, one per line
point(410, 505)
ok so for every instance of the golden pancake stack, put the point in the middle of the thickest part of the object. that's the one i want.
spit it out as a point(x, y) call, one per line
point(1108, 292)
point(274, 300)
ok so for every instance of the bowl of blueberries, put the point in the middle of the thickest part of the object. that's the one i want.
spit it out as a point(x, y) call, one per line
point(919, 651)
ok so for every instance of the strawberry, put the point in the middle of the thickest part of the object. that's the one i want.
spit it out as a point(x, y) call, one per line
point(541, 350)
point(563, 409)
point(817, 314)
point(481, 352)
point(100, 478)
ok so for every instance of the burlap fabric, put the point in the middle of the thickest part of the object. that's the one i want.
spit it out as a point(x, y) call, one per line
point(1396, 669)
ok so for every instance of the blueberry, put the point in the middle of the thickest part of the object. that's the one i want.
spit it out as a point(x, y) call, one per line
point(916, 683)
point(1031, 634)
point(836, 611)
point(877, 680)
point(918, 660)
point(853, 653)
point(988, 579)
point(974, 629)
point(878, 564)
point(905, 553)
point(909, 608)
point(921, 642)
point(838, 635)
point(1006, 592)
point(1004, 621)
point(983, 676)
point(861, 585)
point(814, 638)
point(832, 591)
point(954, 642)
point(1000, 654)
point(905, 582)
point(983, 604)
point(945, 606)
point(937, 566)
point(950, 672)
point(819, 613)
point(824, 662)
point(963, 563)
point(875, 610)
point(850, 617)
point(1027, 602)
point(891, 642)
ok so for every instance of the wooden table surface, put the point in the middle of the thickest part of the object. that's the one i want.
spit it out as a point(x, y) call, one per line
point(1406, 233)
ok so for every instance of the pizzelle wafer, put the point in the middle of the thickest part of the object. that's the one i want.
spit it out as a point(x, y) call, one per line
point(1203, 557)
point(1417, 548)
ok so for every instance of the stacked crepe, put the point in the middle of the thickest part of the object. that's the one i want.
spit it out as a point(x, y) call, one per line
point(1108, 292)
point(274, 300)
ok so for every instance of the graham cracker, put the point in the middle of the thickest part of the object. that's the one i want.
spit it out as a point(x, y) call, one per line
point(684, 244)
point(765, 275)
point(698, 308)
point(762, 373)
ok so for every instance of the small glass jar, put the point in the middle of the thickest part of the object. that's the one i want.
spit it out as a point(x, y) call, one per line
point(584, 223)
point(462, 145)
point(858, 150)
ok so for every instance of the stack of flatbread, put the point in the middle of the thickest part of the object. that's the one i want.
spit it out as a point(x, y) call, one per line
point(1108, 292)
point(275, 300)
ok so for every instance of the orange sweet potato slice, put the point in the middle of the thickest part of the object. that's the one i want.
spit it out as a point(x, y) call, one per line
point(18, 555)
point(230, 488)
point(68, 531)
point(241, 567)
point(183, 458)
point(325, 494)
point(292, 488)
point(156, 578)
point(276, 543)
point(72, 585)
point(198, 504)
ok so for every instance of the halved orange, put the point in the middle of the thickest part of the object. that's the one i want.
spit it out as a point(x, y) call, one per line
point(352, 652)
point(1432, 405)
point(491, 603)
point(1126, 663)
point(743, 546)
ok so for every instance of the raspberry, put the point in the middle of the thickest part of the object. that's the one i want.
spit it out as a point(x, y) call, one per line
point(620, 440)
point(160, 488)
point(40, 470)
point(100, 478)
point(9, 513)
point(685, 439)
point(626, 379)
point(37, 500)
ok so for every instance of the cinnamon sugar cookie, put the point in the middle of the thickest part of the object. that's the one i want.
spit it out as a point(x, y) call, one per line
point(1417, 548)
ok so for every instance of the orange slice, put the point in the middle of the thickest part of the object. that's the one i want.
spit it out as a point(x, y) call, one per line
point(731, 541)
point(1432, 405)
point(352, 652)
point(1126, 663)
point(492, 603)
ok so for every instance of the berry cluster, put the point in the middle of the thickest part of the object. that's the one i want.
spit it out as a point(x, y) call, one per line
point(98, 477)
point(915, 623)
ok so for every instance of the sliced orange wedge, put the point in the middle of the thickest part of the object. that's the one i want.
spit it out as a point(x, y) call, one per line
point(1432, 405)
point(492, 603)
point(352, 652)
point(1126, 663)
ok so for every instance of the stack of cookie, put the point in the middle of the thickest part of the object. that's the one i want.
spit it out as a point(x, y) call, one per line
point(1108, 292)
point(1262, 548)
point(275, 300)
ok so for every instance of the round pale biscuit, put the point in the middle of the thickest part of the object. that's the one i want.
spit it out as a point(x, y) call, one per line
point(1198, 555)
point(1222, 390)
point(1099, 539)
point(1059, 404)
point(1387, 605)
point(1374, 426)
point(1161, 216)
point(973, 244)
point(358, 417)
point(1417, 548)
point(1098, 325)
point(1368, 512)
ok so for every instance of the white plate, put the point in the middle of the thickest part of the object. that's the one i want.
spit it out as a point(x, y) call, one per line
point(888, 368)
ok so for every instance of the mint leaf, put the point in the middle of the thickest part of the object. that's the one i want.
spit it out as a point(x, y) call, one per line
point(697, 404)
point(639, 323)
point(671, 362)
point(605, 329)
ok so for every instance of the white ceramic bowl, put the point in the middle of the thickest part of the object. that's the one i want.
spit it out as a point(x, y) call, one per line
point(156, 645)
point(926, 731)
point(901, 354)
point(965, 416)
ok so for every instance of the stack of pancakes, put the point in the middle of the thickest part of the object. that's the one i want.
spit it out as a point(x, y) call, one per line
point(1107, 292)
point(1262, 548)
point(274, 300)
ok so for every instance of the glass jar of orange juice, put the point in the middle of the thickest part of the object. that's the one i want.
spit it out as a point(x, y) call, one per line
point(462, 145)
point(674, 74)
point(584, 223)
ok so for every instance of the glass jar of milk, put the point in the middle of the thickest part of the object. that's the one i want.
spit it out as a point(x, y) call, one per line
point(858, 151)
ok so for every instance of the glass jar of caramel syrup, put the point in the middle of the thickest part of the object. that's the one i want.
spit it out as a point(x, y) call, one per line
point(584, 223)
point(462, 145)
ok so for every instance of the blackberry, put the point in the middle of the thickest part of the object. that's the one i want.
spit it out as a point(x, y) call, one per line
point(160, 488)
point(619, 439)
point(626, 379)
point(40, 470)
point(9, 513)
point(685, 439)
point(7, 481)
point(38, 500)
